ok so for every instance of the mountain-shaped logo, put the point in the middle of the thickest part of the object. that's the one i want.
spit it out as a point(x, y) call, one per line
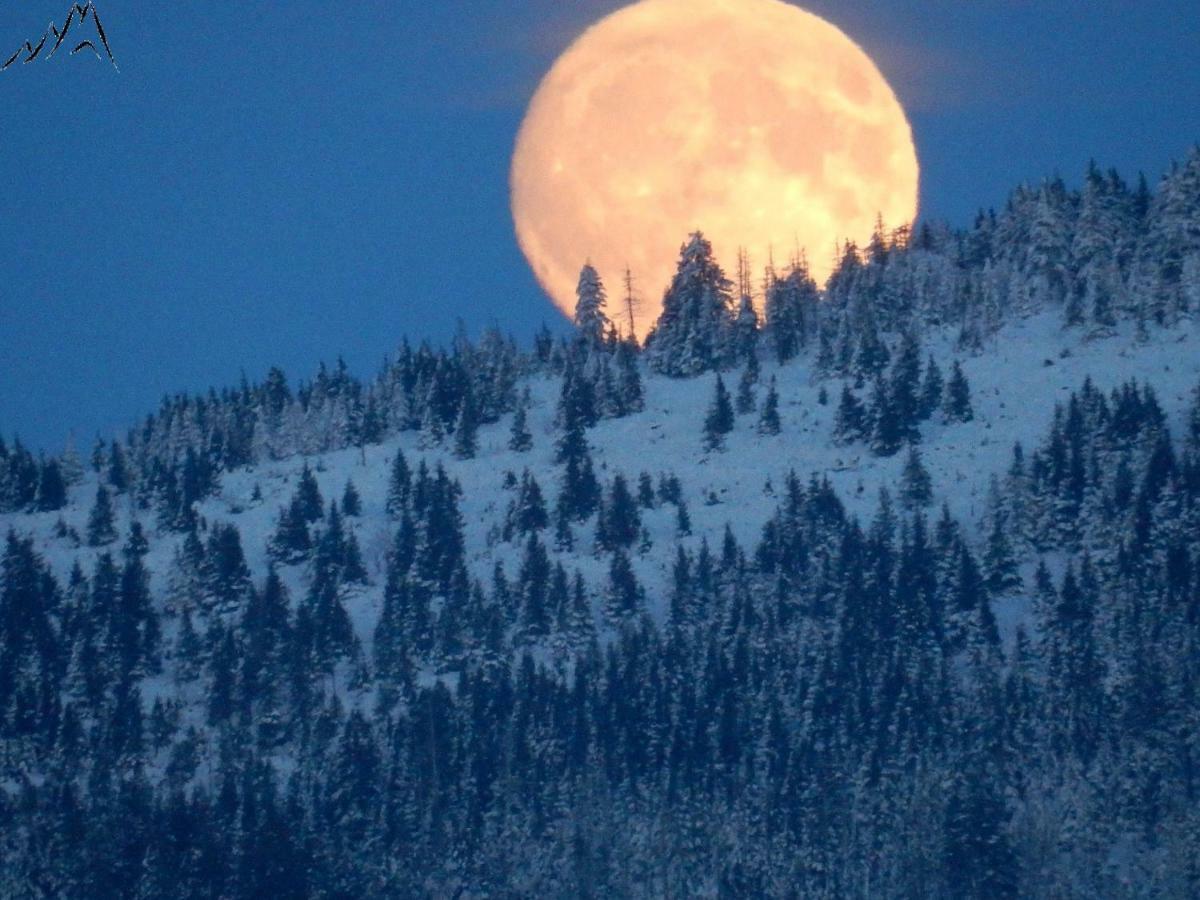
point(78, 17)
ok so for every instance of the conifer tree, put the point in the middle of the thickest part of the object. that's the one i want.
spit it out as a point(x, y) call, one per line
point(100, 529)
point(745, 331)
point(291, 542)
point(745, 392)
point(623, 600)
point(956, 406)
point(850, 421)
point(52, 487)
point(931, 389)
point(645, 491)
point(904, 385)
point(351, 501)
point(916, 486)
point(620, 523)
point(591, 322)
point(399, 485)
point(791, 310)
point(533, 583)
point(529, 513)
point(977, 854)
point(693, 332)
point(308, 498)
point(768, 420)
point(683, 521)
point(999, 566)
point(888, 432)
point(519, 439)
point(118, 471)
point(466, 441)
point(629, 378)
point(719, 420)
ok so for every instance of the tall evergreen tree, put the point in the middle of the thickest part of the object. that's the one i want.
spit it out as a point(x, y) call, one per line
point(519, 439)
point(591, 322)
point(768, 420)
point(693, 333)
point(850, 420)
point(956, 405)
point(101, 529)
point(719, 420)
point(916, 485)
point(466, 441)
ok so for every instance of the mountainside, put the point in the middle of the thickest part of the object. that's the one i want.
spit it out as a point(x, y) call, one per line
point(896, 593)
point(1015, 382)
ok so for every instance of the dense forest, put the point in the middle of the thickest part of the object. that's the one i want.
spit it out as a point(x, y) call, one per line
point(877, 696)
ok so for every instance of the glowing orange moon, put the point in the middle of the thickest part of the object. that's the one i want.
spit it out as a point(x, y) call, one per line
point(760, 124)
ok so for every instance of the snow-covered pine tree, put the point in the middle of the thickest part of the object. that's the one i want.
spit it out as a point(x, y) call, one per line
point(519, 438)
point(591, 322)
point(466, 441)
point(693, 333)
point(100, 528)
point(768, 420)
point(931, 390)
point(745, 393)
point(629, 379)
point(719, 420)
point(916, 485)
point(351, 500)
point(956, 404)
point(791, 312)
point(850, 422)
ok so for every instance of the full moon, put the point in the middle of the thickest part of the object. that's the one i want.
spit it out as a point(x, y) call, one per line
point(758, 123)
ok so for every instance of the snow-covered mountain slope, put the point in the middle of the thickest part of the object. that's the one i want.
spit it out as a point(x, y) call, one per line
point(1016, 380)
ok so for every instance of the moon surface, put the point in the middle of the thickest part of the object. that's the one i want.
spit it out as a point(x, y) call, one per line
point(758, 123)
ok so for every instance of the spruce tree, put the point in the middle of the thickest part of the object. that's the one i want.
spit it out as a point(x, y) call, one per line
point(52, 487)
point(916, 487)
point(888, 432)
point(768, 420)
point(529, 512)
point(850, 421)
point(931, 389)
point(399, 485)
point(118, 471)
point(623, 600)
point(620, 523)
point(466, 441)
point(719, 420)
point(693, 333)
point(100, 528)
point(999, 566)
point(591, 322)
point(519, 438)
point(351, 501)
point(904, 385)
point(791, 312)
point(745, 392)
point(956, 406)
point(629, 378)
point(533, 582)
point(308, 498)
point(683, 521)
point(645, 491)
point(978, 858)
point(291, 542)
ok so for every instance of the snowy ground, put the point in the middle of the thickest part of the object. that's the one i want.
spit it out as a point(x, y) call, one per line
point(1015, 382)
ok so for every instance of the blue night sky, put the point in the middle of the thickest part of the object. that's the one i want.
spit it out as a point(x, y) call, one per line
point(279, 183)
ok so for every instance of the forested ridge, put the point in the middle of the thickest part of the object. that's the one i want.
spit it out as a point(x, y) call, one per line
point(741, 611)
